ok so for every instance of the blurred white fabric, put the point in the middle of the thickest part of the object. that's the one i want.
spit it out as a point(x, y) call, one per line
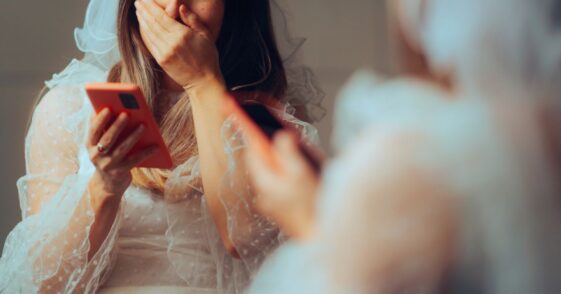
point(435, 191)
point(429, 193)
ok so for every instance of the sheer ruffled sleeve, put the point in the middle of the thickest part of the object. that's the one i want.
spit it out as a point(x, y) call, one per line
point(47, 252)
point(253, 235)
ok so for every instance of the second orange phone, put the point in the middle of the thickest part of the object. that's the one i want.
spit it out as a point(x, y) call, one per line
point(128, 98)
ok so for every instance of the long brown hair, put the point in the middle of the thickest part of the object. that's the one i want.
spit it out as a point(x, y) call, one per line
point(249, 60)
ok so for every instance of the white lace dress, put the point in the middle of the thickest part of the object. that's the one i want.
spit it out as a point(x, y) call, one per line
point(153, 246)
point(487, 223)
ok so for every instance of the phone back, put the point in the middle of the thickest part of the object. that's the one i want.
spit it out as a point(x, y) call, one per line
point(120, 97)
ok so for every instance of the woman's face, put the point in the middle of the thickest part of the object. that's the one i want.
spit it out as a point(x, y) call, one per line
point(209, 12)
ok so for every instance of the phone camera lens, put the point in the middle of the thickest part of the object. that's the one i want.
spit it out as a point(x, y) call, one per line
point(128, 101)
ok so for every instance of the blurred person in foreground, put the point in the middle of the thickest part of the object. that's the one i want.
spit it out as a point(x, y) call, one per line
point(447, 179)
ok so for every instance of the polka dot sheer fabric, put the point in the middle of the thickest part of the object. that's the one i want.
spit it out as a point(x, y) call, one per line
point(153, 242)
point(48, 250)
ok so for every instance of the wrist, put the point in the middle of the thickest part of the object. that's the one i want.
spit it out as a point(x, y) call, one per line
point(105, 202)
point(102, 197)
point(210, 85)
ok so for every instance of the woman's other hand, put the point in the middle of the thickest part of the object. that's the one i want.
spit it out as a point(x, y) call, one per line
point(185, 50)
point(286, 193)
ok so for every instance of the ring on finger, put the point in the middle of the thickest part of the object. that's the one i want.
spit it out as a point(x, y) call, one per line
point(102, 149)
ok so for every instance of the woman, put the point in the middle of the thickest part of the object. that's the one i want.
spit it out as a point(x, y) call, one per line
point(438, 187)
point(94, 223)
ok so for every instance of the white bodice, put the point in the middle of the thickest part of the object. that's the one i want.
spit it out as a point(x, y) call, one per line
point(156, 243)
point(145, 241)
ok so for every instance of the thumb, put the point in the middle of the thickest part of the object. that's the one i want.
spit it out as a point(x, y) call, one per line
point(191, 20)
point(286, 145)
point(261, 174)
point(172, 8)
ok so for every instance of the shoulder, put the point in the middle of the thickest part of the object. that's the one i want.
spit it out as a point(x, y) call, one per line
point(60, 112)
point(419, 161)
point(60, 104)
point(63, 99)
point(430, 140)
point(380, 154)
point(367, 99)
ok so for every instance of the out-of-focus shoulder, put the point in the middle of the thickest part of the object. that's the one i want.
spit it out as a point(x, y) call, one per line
point(368, 99)
point(63, 99)
point(60, 106)
point(375, 150)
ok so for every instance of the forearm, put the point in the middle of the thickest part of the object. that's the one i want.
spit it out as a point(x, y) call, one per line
point(209, 121)
point(75, 246)
point(105, 207)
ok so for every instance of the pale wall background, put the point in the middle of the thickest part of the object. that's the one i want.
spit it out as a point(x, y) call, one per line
point(36, 40)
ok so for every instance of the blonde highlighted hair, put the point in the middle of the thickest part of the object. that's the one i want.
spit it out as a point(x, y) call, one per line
point(248, 56)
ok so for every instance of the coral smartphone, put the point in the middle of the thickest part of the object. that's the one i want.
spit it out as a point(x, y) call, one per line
point(120, 97)
point(261, 125)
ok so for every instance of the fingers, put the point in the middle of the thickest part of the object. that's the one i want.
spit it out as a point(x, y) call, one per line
point(286, 144)
point(126, 146)
point(139, 157)
point(171, 8)
point(151, 42)
point(153, 32)
point(261, 174)
point(156, 15)
point(99, 123)
point(191, 20)
point(119, 158)
point(109, 138)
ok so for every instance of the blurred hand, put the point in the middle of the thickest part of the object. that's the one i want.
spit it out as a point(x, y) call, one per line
point(286, 194)
point(185, 51)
